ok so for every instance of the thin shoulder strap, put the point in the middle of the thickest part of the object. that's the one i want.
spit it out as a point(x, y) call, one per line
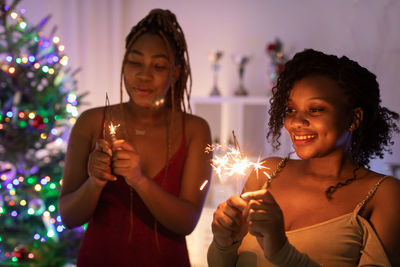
point(371, 193)
point(279, 167)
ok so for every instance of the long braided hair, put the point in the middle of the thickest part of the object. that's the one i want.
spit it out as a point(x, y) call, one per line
point(373, 137)
point(164, 23)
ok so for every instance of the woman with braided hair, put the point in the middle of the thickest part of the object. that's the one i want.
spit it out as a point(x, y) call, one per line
point(139, 188)
point(326, 208)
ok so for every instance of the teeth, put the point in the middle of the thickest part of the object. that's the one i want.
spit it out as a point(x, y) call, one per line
point(303, 137)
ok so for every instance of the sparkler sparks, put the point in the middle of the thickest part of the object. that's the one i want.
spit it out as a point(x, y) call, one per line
point(233, 163)
point(203, 185)
point(111, 126)
point(113, 131)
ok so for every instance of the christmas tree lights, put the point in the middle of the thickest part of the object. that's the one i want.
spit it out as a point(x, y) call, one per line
point(38, 106)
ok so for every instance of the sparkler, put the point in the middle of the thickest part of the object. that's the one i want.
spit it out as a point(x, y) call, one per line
point(112, 127)
point(233, 163)
point(113, 131)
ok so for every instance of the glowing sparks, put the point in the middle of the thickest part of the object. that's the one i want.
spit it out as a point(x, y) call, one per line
point(203, 185)
point(232, 163)
point(111, 127)
point(113, 131)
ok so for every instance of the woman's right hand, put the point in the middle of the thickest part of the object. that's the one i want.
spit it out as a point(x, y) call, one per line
point(229, 225)
point(99, 163)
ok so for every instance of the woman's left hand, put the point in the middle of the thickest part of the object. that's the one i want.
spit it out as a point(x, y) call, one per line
point(266, 222)
point(126, 162)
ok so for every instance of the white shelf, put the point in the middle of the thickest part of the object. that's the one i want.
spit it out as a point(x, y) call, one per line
point(250, 100)
point(246, 116)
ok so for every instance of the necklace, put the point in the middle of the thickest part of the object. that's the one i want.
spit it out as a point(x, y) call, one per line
point(331, 189)
point(131, 193)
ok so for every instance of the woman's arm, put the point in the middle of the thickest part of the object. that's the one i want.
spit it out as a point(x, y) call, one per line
point(266, 223)
point(229, 226)
point(81, 191)
point(385, 218)
point(177, 213)
point(218, 256)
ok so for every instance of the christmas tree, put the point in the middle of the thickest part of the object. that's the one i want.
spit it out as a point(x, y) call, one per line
point(38, 103)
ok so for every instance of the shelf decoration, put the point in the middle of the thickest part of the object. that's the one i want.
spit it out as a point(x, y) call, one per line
point(214, 57)
point(241, 62)
point(278, 59)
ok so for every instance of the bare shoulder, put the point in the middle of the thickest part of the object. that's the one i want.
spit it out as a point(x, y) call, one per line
point(196, 126)
point(386, 197)
point(89, 123)
point(196, 122)
point(388, 192)
point(385, 217)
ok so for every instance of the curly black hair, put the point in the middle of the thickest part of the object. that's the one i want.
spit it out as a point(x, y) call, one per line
point(374, 135)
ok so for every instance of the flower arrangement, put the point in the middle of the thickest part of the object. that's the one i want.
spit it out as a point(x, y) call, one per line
point(278, 59)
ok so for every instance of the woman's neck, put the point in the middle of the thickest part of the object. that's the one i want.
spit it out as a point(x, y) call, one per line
point(330, 167)
point(145, 115)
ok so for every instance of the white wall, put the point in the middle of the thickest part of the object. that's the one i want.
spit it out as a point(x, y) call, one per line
point(364, 30)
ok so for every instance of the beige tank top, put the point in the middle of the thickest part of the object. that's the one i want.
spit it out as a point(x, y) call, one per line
point(347, 240)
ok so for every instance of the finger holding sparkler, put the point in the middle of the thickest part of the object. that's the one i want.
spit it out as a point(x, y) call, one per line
point(265, 219)
point(229, 224)
point(103, 146)
point(126, 162)
point(99, 163)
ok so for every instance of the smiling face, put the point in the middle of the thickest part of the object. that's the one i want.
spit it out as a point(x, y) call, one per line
point(318, 117)
point(147, 70)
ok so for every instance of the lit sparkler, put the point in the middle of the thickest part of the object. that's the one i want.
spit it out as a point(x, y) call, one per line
point(113, 131)
point(233, 163)
point(111, 126)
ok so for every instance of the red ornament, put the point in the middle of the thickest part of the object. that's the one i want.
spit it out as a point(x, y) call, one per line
point(38, 122)
point(271, 47)
point(20, 253)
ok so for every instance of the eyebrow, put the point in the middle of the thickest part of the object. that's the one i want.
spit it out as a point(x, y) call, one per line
point(326, 99)
point(137, 52)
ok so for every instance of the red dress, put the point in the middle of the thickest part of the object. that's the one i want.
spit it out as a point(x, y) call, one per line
point(107, 240)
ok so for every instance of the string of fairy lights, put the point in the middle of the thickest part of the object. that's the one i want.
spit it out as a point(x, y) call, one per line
point(12, 204)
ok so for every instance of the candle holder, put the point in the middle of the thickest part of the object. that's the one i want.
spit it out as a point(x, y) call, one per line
point(241, 62)
point(214, 57)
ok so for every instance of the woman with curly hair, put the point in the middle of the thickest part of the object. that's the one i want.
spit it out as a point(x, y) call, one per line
point(327, 208)
point(139, 188)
